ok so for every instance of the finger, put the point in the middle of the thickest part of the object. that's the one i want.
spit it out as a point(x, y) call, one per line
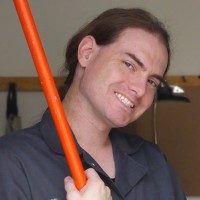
point(93, 179)
point(69, 184)
point(108, 192)
point(70, 188)
point(91, 173)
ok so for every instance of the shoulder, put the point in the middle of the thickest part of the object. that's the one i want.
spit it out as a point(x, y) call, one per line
point(144, 152)
point(149, 156)
point(20, 141)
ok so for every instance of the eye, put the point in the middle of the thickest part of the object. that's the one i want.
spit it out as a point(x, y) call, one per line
point(129, 65)
point(153, 83)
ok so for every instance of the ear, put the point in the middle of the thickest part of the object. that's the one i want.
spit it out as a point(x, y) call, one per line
point(86, 50)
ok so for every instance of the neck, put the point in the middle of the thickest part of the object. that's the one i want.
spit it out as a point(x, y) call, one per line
point(89, 132)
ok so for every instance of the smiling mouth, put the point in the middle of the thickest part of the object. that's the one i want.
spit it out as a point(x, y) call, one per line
point(124, 100)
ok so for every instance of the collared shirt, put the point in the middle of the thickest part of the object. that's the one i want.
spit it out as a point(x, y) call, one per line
point(33, 167)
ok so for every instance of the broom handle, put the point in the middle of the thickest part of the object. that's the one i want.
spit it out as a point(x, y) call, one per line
point(51, 93)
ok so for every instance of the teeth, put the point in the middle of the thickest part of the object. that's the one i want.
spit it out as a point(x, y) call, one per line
point(124, 100)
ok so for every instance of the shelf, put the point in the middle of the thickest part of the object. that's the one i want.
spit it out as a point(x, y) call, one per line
point(33, 83)
point(184, 80)
point(26, 83)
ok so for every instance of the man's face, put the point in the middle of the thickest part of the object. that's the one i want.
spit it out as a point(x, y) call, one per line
point(119, 80)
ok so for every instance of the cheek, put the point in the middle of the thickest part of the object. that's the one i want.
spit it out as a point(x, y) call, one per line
point(148, 99)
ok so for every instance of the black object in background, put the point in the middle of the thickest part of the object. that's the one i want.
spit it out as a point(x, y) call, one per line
point(13, 120)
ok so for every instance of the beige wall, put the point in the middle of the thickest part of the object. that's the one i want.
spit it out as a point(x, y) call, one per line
point(57, 20)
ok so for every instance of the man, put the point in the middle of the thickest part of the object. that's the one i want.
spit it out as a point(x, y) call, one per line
point(115, 65)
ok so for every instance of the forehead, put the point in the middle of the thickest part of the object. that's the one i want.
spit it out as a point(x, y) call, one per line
point(134, 38)
point(148, 47)
point(138, 33)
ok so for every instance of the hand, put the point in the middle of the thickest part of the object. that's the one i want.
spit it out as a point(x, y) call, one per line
point(94, 189)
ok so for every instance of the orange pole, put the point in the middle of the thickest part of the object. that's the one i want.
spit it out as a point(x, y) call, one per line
point(50, 92)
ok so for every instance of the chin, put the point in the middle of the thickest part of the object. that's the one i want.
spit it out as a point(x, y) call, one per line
point(123, 123)
point(120, 123)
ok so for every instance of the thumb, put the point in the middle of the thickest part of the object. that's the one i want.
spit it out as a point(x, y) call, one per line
point(69, 185)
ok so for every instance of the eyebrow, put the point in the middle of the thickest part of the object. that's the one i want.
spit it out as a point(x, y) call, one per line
point(140, 63)
point(135, 58)
point(160, 78)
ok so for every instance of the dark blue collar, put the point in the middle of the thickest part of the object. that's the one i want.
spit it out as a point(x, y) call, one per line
point(128, 170)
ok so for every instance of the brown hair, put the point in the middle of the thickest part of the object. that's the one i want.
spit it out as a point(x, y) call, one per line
point(107, 27)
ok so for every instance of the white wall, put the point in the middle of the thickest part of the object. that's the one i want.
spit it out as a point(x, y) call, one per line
point(31, 106)
point(57, 20)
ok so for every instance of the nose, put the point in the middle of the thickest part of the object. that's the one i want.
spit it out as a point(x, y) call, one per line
point(138, 86)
